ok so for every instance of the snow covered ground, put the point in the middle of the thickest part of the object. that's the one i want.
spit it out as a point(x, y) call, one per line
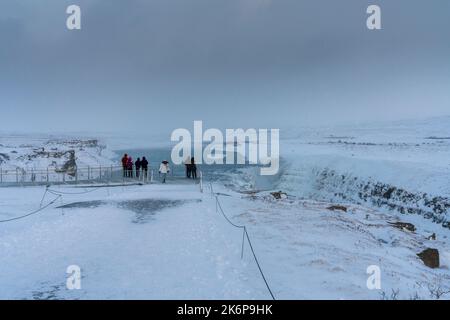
point(167, 241)
point(141, 242)
point(401, 166)
point(413, 155)
point(311, 252)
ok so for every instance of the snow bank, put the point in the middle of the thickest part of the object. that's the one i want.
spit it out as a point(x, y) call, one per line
point(402, 166)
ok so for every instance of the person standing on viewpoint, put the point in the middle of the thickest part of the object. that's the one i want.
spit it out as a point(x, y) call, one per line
point(193, 168)
point(187, 163)
point(144, 166)
point(138, 165)
point(164, 169)
point(130, 167)
point(124, 164)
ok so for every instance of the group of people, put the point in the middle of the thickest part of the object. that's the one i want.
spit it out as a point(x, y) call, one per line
point(191, 168)
point(140, 166)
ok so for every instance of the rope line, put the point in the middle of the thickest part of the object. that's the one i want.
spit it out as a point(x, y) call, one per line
point(246, 235)
point(58, 195)
point(56, 192)
point(223, 213)
point(33, 212)
point(43, 197)
point(257, 263)
point(218, 208)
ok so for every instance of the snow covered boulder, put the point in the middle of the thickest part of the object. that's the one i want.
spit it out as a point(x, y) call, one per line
point(430, 257)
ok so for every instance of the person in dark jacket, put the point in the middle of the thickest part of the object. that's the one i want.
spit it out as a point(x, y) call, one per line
point(138, 165)
point(193, 168)
point(188, 165)
point(144, 166)
point(124, 164)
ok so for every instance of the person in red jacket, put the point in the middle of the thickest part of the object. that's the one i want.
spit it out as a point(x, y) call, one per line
point(124, 164)
point(130, 167)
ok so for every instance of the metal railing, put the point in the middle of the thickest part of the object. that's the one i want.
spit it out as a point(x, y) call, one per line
point(20, 176)
point(89, 174)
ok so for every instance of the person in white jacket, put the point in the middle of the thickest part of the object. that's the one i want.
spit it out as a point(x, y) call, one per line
point(164, 169)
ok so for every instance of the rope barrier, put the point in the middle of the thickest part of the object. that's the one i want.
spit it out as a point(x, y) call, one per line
point(56, 192)
point(33, 212)
point(244, 236)
point(223, 213)
point(58, 195)
point(257, 263)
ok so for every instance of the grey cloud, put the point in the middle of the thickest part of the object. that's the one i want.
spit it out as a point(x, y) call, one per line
point(155, 65)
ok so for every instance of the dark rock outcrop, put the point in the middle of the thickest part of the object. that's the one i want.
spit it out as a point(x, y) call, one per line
point(70, 166)
point(279, 195)
point(3, 157)
point(430, 257)
point(383, 195)
point(337, 207)
point(403, 226)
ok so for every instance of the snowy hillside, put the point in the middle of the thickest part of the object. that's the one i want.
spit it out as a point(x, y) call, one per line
point(40, 152)
point(402, 166)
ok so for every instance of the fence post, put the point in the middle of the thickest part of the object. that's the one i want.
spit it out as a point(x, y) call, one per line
point(100, 173)
point(201, 181)
point(111, 176)
point(17, 175)
point(47, 175)
point(89, 173)
point(217, 205)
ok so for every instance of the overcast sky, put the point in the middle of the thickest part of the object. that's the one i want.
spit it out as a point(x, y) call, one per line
point(156, 65)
